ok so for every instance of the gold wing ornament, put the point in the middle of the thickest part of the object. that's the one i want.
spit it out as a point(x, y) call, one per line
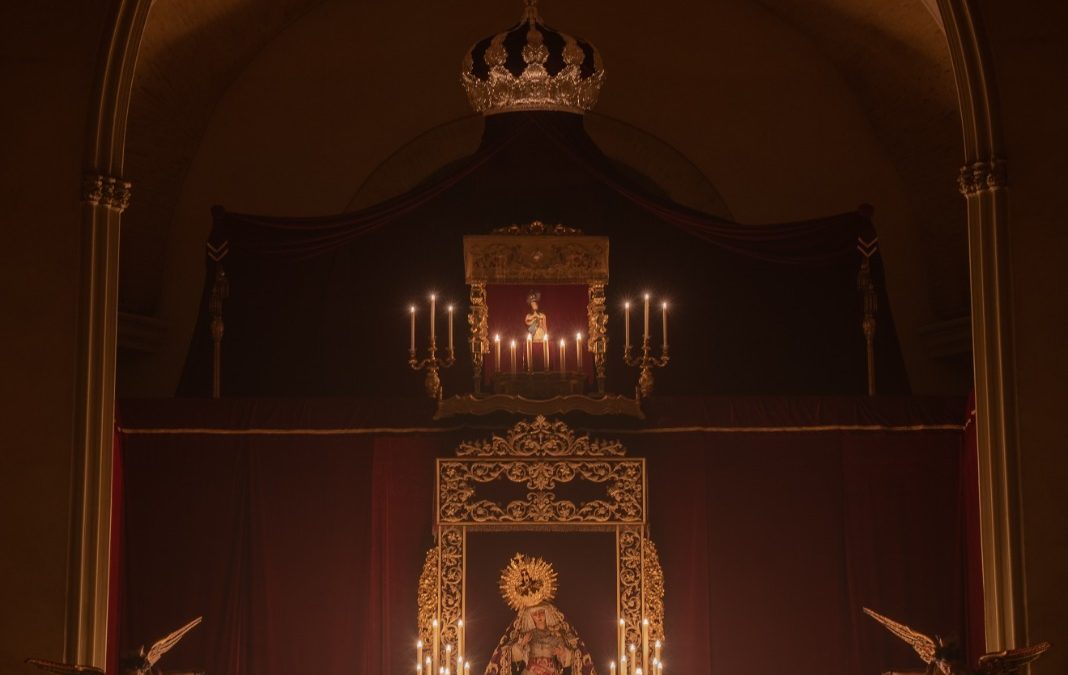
point(164, 645)
point(1010, 660)
point(64, 668)
point(923, 645)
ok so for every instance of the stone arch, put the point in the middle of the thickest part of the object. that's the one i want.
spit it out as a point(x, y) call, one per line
point(105, 195)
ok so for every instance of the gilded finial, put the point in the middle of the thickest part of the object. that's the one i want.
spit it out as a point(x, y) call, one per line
point(530, 11)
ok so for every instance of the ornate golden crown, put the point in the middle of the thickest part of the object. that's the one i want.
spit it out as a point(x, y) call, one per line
point(532, 67)
point(527, 582)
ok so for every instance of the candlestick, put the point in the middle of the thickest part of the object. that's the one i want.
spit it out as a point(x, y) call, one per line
point(645, 642)
point(563, 356)
point(530, 353)
point(450, 328)
point(433, 313)
point(626, 325)
point(664, 305)
point(513, 357)
point(578, 351)
point(497, 346)
point(545, 350)
point(646, 333)
point(411, 310)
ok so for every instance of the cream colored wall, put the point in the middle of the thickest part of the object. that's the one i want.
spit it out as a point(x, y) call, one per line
point(48, 63)
point(749, 99)
point(1030, 56)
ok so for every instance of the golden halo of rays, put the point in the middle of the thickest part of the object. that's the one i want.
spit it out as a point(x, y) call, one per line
point(527, 581)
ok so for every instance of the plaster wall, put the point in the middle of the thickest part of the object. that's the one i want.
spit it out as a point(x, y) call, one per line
point(1030, 56)
point(48, 56)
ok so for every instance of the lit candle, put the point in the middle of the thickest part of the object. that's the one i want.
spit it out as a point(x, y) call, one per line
point(448, 659)
point(545, 350)
point(626, 325)
point(664, 305)
point(633, 657)
point(435, 651)
point(563, 356)
point(419, 654)
point(645, 642)
point(656, 650)
point(497, 345)
point(623, 665)
point(428, 668)
point(621, 642)
point(419, 668)
point(450, 328)
point(467, 668)
point(645, 335)
point(530, 353)
point(459, 642)
point(513, 357)
point(578, 350)
point(411, 310)
point(433, 313)
point(612, 668)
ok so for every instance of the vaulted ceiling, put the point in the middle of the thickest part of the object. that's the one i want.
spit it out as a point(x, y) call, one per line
point(891, 55)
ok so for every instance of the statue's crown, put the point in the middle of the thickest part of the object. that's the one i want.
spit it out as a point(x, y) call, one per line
point(532, 67)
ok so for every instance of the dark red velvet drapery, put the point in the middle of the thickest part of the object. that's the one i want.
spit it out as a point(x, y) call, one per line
point(299, 533)
point(762, 309)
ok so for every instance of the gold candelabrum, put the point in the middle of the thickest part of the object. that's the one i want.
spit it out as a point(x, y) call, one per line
point(431, 364)
point(645, 361)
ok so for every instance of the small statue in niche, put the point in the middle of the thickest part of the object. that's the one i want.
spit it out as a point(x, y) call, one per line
point(537, 322)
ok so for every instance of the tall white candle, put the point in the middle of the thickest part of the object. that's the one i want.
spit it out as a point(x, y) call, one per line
point(656, 648)
point(633, 657)
point(612, 668)
point(626, 325)
point(433, 312)
point(578, 351)
point(450, 328)
point(664, 305)
point(435, 652)
point(497, 345)
point(646, 333)
point(460, 638)
point(530, 353)
point(621, 642)
point(545, 350)
point(563, 356)
point(411, 310)
point(513, 357)
point(645, 642)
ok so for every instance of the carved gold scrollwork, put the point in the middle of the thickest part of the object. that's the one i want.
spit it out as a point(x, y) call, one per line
point(478, 322)
point(598, 332)
point(458, 504)
point(506, 258)
point(428, 595)
point(451, 543)
point(541, 438)
point(641, 587)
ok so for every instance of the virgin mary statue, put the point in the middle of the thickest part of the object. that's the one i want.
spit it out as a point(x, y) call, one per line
point(540, 641)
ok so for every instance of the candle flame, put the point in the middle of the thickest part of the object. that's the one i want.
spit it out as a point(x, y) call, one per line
point(450, 308)
point(460, 623)
point(529, 337)
point(626, 305)
point(664, 305)
point(646, 296)
point(658, 644)
point(497, 338)
point(411, 308)
point(622, 622)
point(419, 644)
point(561, 342)
point(433, 296)
point(578, 336)
point(513, 343)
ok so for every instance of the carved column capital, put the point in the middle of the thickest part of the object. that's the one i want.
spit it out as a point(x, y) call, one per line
point(109, 191)
point(982, 175)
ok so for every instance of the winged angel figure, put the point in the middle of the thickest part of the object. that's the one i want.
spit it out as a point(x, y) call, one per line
point(141, 662)
point(944, 658)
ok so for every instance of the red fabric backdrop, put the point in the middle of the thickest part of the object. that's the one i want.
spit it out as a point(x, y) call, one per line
point(300, 540)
